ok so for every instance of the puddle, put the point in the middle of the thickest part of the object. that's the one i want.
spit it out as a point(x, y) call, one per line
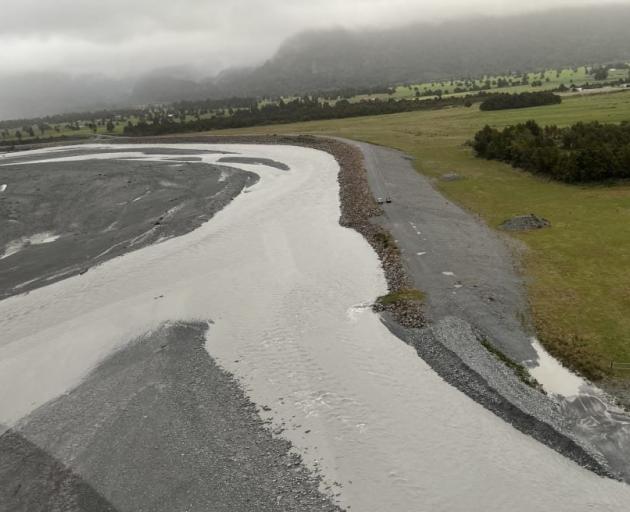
point(554, 377)
point(589, 411)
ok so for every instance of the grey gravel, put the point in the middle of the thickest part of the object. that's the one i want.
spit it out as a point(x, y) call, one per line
point(525, 223)
point(158, 426)
point(102, 209)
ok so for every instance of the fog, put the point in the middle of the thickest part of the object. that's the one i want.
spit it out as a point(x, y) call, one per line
point(119, 37)
point(77, 55)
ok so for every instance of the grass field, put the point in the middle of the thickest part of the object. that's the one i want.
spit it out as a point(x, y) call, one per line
point(550, 80)
point(578, 271)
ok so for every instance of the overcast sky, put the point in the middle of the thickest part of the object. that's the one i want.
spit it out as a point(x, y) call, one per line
point(122, 36)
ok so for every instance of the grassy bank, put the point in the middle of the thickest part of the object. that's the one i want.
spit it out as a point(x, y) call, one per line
point(578, 271)
point(401, 296)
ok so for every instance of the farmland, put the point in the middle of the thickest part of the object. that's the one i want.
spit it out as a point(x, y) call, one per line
point(512, 83)
point(114, 122)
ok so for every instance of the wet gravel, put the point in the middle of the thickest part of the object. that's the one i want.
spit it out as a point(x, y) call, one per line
point(256, 161)
point(100, 210)
point(157, 426)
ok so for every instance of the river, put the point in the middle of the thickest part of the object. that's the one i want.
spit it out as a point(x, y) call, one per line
point(285, 290)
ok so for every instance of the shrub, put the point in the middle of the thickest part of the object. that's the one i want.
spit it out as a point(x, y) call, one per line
point(579, 153)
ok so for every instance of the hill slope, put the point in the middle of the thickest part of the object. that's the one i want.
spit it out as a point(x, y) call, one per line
point(421, 52)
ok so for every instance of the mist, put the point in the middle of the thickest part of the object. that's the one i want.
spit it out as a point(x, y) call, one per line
point(119, 38)
point(72, 55)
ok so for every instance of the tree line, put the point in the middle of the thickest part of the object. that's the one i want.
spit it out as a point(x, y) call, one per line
point(100, 117)
point(298, 110)
point(580, 153)
point(521, 100)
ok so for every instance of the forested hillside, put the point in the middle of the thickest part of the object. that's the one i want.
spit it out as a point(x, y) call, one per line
point(422, 52)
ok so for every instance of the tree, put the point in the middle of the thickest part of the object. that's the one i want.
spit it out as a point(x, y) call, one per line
point(110, 126)
point(578, 153)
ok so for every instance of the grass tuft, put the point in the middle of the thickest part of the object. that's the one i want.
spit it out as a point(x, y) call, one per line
point(519, 370)
point(406, 295)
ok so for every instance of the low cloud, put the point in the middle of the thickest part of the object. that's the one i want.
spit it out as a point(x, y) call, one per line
point(120, 37)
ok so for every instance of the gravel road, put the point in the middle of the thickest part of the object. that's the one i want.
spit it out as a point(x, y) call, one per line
point(465, 269)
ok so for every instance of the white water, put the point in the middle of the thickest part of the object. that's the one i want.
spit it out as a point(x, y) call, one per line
point(286, 288)
point(15, 246)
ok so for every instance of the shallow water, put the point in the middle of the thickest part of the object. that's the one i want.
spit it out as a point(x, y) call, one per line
point(285, 289)
point(554, 377)
point(589, 411)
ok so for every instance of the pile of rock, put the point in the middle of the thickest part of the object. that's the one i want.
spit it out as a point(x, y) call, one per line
point(525, 223)
point(408, 313)
point(451, 176)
